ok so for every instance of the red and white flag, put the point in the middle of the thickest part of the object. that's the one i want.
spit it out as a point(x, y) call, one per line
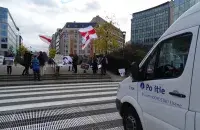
point(87, 34)
point(45, 39)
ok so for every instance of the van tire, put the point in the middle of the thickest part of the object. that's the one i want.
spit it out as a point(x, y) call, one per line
point(131, 120)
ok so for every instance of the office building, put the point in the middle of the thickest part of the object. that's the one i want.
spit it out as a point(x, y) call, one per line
point(9, 33)
point(20, 40)
point(71, 40)
point(53, 42)
point(147, 26)
point(180, 6)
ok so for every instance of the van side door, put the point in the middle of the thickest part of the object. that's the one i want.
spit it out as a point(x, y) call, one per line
point(164, 88)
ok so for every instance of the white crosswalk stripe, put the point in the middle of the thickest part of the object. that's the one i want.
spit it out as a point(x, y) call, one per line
point(78, 106)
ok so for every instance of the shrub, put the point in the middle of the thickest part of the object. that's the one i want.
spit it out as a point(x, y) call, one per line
point(131, 53)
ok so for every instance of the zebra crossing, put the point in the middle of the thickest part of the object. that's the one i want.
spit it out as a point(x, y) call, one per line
point(80, 106)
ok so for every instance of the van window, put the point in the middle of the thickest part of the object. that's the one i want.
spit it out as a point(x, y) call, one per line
point(168, 59)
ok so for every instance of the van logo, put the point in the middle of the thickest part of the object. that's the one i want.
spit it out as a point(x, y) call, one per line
point(155, 88)
point(142, 86)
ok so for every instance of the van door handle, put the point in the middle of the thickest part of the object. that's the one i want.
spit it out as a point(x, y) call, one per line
point(177, 94)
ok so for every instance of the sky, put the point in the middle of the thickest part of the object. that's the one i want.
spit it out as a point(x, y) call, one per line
point(35, 17)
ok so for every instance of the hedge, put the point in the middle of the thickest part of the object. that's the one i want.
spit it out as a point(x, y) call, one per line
point(116, 60)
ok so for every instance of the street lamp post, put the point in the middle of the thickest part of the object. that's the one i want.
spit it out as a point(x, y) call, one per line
point(124, 36)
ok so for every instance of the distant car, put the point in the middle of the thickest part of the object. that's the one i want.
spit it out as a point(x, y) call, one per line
point(1, 60)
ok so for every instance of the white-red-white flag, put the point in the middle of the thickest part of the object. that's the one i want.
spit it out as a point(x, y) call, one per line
point(87, 34)
point(45, 39)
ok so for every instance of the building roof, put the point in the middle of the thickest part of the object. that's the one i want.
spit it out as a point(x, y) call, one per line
point(152, 8)
point(100, 20)
point(79, 24)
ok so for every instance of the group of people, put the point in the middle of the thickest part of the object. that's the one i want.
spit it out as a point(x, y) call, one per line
point(99, 63)
point(36, 63)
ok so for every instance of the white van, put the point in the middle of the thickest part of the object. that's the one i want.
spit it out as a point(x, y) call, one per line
point(163, 92)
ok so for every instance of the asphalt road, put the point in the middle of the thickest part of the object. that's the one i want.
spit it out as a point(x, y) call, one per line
point(81, 106)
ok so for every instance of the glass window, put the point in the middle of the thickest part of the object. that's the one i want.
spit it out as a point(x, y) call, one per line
point(4, 26)
point(4, 46)
point(3, 39)
point(169, 58)
point(4, 33)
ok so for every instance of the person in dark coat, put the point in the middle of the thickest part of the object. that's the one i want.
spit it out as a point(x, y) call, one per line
point(27, 62)
point(104, 63)
point(75, 63)
point(42, 63)
point(94, 65)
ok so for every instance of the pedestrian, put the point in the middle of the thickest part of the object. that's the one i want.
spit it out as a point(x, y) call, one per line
point(75, 63)
point(42, 63)
point(94, 65)
point(36, 68)
point(69, 62)
point(27, 63)
point(104, 62)
point(9, 64)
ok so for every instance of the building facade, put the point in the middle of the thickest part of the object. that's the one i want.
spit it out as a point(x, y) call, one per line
point(147, 26)
point(180, 6)
point(58, 44)
point(71, 40)
point(116, 31)
point(20, 40)
point(9, 33)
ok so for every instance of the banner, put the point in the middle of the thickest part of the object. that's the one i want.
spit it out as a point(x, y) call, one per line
point(9, 61)
point(61, 60)
point(58, 59)
point(122, 72)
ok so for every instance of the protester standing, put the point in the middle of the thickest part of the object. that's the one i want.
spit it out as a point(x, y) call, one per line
point(42, 63)
point(104, 63)
point(27, 63)
point(75, 63)
point(36, 68)
point(94, 65)
point(9, 64)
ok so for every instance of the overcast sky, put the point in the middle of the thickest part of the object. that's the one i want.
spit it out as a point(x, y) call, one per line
point(35, 17)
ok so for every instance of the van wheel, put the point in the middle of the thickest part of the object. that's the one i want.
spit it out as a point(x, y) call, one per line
point(131, 120)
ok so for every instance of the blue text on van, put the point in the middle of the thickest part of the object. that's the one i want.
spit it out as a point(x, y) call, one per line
point(156, 88)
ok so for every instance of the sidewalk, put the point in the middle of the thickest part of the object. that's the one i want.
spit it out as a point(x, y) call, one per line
point(17, 70)
point(115, 78)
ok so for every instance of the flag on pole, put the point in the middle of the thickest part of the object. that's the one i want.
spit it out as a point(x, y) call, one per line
point(45, 39)
point(87, 34)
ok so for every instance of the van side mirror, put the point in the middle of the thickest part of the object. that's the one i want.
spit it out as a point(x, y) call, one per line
point(135, 71)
